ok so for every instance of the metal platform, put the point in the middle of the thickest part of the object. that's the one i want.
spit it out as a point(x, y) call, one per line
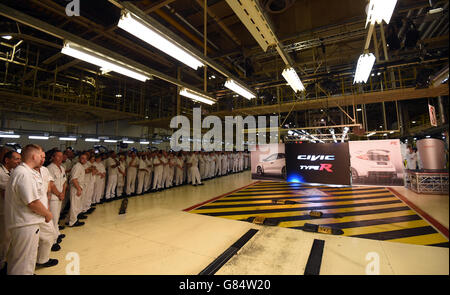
point(427, 181)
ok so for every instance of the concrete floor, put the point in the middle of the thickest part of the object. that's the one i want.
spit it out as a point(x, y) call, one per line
point(156, 237)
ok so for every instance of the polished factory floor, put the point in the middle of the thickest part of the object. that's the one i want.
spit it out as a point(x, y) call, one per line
point(160, 234)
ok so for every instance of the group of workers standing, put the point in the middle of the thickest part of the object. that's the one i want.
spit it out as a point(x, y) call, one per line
point(39, 189)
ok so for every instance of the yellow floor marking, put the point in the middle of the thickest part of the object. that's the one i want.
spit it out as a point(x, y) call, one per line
point(347, 218)
point(422, 240)
point(275, 207)
point(384, 227)
point(299, 199)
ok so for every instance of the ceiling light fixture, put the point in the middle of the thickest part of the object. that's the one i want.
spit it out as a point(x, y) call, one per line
point(7, 37)
point(9, 136)
point(197, 96)
point(110, 140)
point(144, 142)
point(92, 140)
point(239, 89)
point(150, 34)
point(371, 133)
point(92, 57)
point(346, 129)
point(364, 67)
point(38, 137)
point(68, 138)
point(379, 10)
point(128, 141)
point(290, 75)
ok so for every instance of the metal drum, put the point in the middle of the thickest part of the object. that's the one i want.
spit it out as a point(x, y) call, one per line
point(432, 153)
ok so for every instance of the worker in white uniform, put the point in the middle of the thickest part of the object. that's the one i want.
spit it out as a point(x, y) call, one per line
point(246, 160)
point(179, 169)
point(47, 233)
point(58, 189)
point(411, 159)
point(68, 164)
point(111, 164)
point(187, 170)
point(121, 174)
point(158, 171)
point(99, 179)
point(195, 173)
point(202, 165)
point(132, 173)
point(218, 160)
point(77, 188)
point(171, 173)
point(142, 173)
point(10, 161)
point(223, 157)
point(212, 165)
point(89, 178)
point(165, 161)
point(148, 176)
point(24, 212)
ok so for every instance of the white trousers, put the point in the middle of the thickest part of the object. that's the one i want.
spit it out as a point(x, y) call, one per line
point(99, 188)
point(141, 180)
point(224, 167)
point(55, 207)
point(88, 196)
point(207, 170)
point(169, 177)
point(111, 186)
point(120, 184)
point(148, 180)
point(47, 237)
point(157, 178)
point(178, 176)
point(212, 169)
point(131, 180)
point(23, 251)
point(202, 170)
point(195, 174)
point(5, 240)
point(75, 204)
point(218, 168)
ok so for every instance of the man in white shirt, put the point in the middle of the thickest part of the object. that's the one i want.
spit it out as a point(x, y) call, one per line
point(24, 212)
point(132, 173)
point(202, 164)
point(99, 183)
point(171, 168)
point(47, 233)
point(195, 174)
point(111, 164)
point(10, 161)
point(411, 159)
point(224, 164)
point(142, 166)
point(158, 171)
point(77, 188)
point(218, 160)
point(122, 173)
point(179, 169)
point(148, 176)
point(58, 189)
point(89, 178)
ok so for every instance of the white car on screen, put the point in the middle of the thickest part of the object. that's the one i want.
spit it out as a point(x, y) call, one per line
point(274, 164)
point(373, 164)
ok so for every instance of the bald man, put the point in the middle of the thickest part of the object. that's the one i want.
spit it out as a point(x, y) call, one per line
point(24, 212)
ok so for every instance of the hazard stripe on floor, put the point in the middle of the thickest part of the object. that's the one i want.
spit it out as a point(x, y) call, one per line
point(362, 212)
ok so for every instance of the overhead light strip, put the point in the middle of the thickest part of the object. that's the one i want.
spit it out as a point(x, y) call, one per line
point(290, 75)
point(196, 96)
point(364, 67)
point(148, 33)
point(239, 89)
point(74, 50)
point(379, 10)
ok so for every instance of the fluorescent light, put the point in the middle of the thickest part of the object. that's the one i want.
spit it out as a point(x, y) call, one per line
point(358, 110)
point(385, 134)
point(196, 96)
point(435, 10)
point(427, 136)
point(414, 122)
point(110, 140)
point(391, 132)
point(371, 133)
point(144, 142)
point(364, 67)
point(9, 136)
point(7, 37)
point(380, 10)
point(38, 137)
point(92, 139)
point(128, 141)
point(97, 59)
point(68, 138)
point(346, 129)
point(148, 33)
point(241, 90)
point(290, 75)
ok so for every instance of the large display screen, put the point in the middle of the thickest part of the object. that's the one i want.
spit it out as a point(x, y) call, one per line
point(327, 163)
point(268, 162)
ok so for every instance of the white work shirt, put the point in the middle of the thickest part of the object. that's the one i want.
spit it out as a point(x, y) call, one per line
point(411, 160)
point(88, 177)
point(157, 161)
point(194, 160)
point(133, 162)
point(122, 167)
point(100, 168)
point(22, 189)
point(78, 173)
point(109, 163)
point(59, 178)
point(180, 162)
point(143, 164)
point(4, 178)
point(149, 162)
point(46, 178)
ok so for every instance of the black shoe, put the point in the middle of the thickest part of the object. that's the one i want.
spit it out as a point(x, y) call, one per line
point(82, 217)
point(92, 209)
point(78, 223)
point(61, 227)
point(49, 263)
point(201, 183)
point(56, 247)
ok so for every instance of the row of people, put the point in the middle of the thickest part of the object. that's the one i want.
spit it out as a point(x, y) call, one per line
point(79, 183)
